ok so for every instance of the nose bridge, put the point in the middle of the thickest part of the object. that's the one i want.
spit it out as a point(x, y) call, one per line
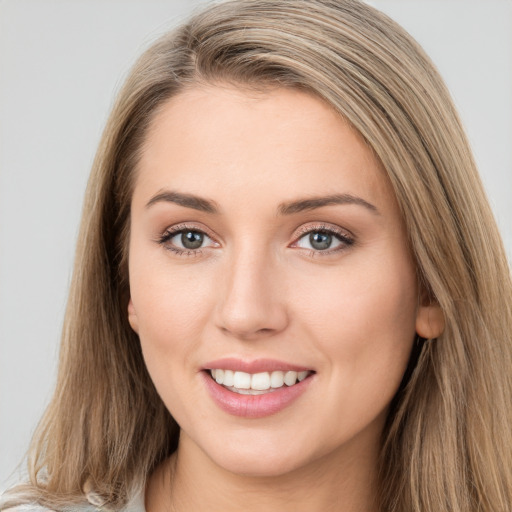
point(252, 302)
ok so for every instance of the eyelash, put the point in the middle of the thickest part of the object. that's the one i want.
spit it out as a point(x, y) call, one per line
point(342, 236)
point(176, 230)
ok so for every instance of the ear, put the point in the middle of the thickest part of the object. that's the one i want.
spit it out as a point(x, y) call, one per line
point(430, 321)
point(132, 317)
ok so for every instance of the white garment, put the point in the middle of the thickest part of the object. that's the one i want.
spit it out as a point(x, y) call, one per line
point(135, 505)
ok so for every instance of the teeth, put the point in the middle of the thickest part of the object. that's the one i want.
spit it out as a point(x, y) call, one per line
point(260, 381)
point(242, 380)
point(301, 376)
point(247, 383)
point(277, 379)
point(219, 376)
point(229, 378)
point(290, 378)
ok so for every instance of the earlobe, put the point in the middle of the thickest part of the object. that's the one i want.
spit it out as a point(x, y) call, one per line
point(430, 321)
point(132, 317)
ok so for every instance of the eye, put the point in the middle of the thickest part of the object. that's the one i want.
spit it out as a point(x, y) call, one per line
point(185, 241)
point(323, 240)
point(188, 239)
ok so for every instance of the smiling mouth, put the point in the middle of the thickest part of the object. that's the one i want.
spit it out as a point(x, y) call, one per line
point(257, 383)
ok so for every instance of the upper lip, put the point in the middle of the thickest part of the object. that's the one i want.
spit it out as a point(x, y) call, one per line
point(254, 366)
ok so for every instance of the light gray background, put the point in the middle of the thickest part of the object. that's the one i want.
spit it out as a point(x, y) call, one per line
point(61, 61)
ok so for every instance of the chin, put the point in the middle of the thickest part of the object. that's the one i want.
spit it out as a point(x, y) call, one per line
point(259, 466)
point(263, 458)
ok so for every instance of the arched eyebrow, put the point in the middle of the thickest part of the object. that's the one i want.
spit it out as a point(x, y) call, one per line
point(288, 208)
point(186, 200)
point(312, 203)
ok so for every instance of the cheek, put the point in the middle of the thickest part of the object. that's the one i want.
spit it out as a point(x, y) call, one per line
point(363, 325)
point(167, 295)
point(171, 309)
point(380, 296)
point(171, 303)
point(363, 320)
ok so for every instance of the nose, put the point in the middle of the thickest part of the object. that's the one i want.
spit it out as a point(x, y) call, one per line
point(252, 297)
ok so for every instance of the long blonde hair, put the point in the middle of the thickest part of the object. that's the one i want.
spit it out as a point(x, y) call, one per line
point(447, 444)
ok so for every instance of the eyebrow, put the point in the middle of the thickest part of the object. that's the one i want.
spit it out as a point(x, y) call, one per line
point(312, 203)
point(186, 200)
point(287, 208)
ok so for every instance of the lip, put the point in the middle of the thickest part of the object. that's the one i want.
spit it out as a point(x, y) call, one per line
point(254, 406)
point(255, 366)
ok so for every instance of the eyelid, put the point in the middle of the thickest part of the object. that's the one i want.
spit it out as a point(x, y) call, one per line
point(346, 238)
point(183, 226)
point(171, 231)
point(322, 226)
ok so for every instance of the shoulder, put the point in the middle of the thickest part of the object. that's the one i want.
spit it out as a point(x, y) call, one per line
point(39, 508)
point(27, 508)
point(34, 507)
point(135, 504)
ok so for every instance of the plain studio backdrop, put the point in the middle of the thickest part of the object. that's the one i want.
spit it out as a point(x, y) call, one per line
point(61, 63)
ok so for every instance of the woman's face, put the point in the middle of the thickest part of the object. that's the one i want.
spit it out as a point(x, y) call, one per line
point(267, 245)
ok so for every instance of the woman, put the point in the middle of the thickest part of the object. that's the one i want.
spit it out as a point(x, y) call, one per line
point(288, 284)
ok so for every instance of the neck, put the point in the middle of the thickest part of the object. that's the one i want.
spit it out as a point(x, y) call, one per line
point(190, 481)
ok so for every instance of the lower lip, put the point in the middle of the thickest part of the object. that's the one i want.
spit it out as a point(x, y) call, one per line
point(254, 406)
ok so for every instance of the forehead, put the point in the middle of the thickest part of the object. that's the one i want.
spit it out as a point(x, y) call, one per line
point(220, 140)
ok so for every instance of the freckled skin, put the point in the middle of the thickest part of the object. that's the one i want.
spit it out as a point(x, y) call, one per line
point(256, 290)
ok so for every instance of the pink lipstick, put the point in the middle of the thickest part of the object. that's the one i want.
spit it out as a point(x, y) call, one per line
point(255, 389)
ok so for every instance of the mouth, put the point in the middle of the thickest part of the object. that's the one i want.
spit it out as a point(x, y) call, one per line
point(255, 389)
point(257, 383)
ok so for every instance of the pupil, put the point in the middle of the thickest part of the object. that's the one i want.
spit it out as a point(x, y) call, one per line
point(320, 241)
point(191, 239)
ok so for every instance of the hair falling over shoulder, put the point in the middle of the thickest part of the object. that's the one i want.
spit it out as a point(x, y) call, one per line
point(448, 440)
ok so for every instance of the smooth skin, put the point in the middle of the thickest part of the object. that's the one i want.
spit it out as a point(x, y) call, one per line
point(257, 284)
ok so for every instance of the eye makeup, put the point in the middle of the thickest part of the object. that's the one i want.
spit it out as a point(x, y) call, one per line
point(317, 240)
point(320, 235)
point(186, 234)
